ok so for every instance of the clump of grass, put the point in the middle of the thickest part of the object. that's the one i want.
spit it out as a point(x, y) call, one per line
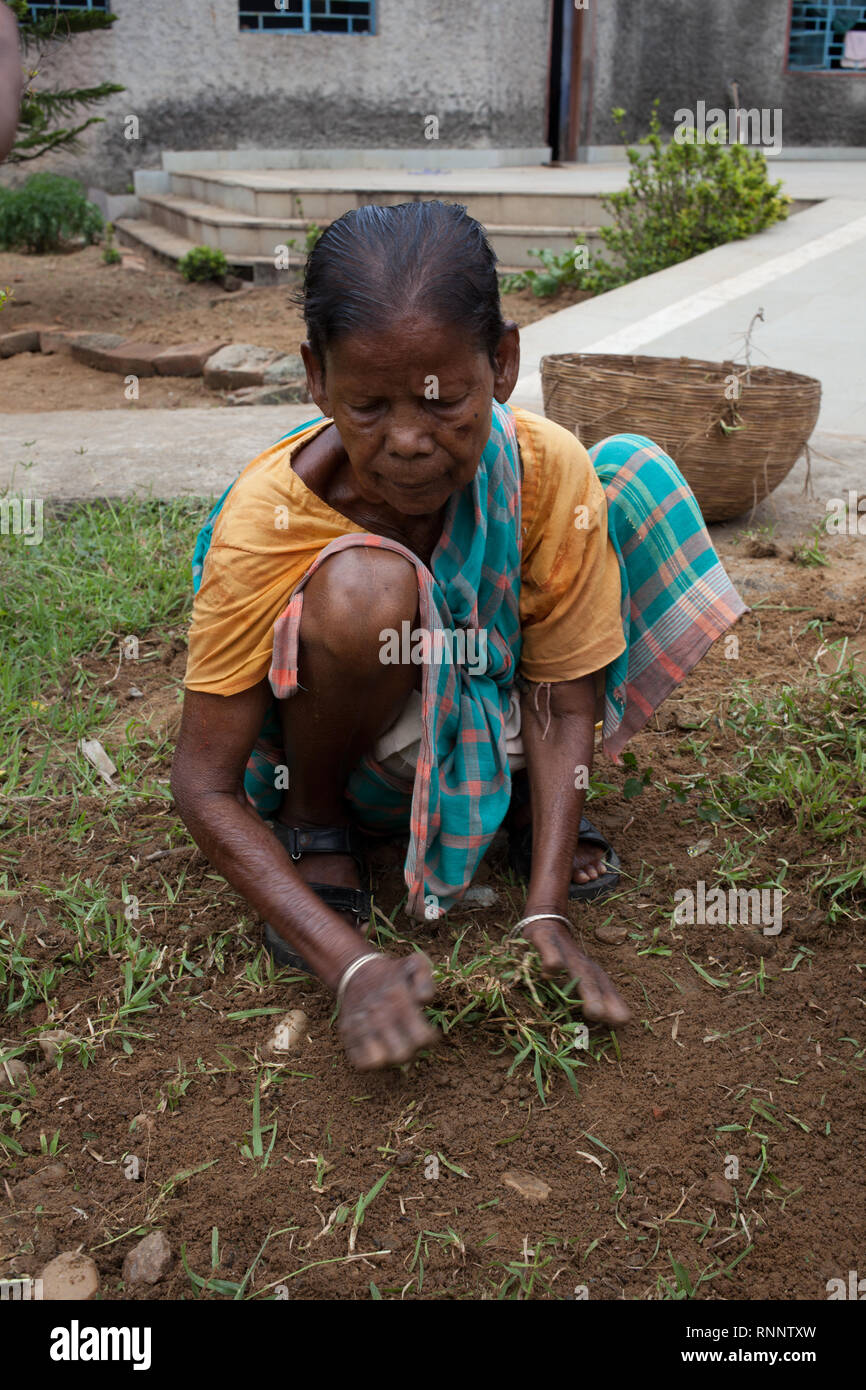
point(803, 752)
point(811, 553)
point(500, 991)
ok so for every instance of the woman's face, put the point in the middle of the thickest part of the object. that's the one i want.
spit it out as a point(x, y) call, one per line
point(413, 405)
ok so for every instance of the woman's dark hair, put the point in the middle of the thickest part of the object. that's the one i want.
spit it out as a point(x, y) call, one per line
point(374, 263)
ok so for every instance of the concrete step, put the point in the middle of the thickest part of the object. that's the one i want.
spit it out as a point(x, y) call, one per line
point(139, 231)
point(245, 237)
point(274, 193)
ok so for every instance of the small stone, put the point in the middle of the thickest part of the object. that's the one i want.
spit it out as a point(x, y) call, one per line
point(479, 895)
point(188, 359)
point(24, 340)
point(610, 933)
point(289, 368)
point(71, 1276)
point(239, 364)
point(13, 1073)
point(134, 693)
point(660, 1112)
point(527, 1186)
point(147, 1261)
point(141, 1124)
point(718, 1190)
point(52, 1042)
point(700, 847)
point(288, 1034)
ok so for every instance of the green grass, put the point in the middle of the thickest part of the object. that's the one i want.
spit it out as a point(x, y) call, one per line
point(802, 755)
point(104, 572)
point(499, 991)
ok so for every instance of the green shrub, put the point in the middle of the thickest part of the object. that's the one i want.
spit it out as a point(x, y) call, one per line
point(681, 199)
point(203, 263)
point(44, 212)
point(110, 254)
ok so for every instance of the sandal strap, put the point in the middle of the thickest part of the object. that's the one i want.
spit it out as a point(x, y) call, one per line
point(328, 839)
point(354, 900)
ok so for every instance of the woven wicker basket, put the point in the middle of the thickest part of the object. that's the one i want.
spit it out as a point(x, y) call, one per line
point(732, 451)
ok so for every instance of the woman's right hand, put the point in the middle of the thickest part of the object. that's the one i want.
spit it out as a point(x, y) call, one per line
point(381, 1020)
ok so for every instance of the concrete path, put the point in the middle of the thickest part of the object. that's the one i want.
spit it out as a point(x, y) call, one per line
point(157, 453)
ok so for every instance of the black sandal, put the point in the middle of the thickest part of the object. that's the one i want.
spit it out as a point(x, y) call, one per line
point(338, 839)
point(520, 852)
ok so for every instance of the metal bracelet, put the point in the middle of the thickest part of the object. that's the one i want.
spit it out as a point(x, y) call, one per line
point(537, 917)
point(349, 972)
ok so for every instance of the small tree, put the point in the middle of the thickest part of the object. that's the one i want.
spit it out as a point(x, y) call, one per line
point(42, 124)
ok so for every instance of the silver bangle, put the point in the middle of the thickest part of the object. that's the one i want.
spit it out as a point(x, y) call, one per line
point(349, 972)
point(537, 917)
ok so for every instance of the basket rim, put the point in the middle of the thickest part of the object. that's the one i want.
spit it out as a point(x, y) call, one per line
point(626, 365)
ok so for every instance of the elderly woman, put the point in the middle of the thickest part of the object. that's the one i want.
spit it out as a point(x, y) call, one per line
point(407, 611)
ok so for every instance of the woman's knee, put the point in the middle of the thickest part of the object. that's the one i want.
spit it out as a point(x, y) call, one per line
point(356, 594)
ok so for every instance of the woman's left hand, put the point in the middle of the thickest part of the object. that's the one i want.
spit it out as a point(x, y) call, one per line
point(560, 952)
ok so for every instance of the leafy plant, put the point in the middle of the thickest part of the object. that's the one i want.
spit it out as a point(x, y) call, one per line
point(110, 255)
point(682, 199)
point(44, 212)
point(203, 263)
point(40, 127)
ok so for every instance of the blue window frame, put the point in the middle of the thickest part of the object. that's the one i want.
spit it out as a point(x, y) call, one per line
point(818, 29)
point(307, 16)
point(43, 9)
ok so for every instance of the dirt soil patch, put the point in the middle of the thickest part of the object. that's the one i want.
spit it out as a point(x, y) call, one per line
point(721, 1132)
point(77, 291)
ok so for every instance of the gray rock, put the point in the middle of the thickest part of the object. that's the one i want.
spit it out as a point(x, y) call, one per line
point(147, 1261)
point(239, 364)
point(479, 895)
point(290, 368)
point(90, 347)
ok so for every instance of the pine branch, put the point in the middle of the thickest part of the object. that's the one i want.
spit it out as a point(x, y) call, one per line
point(40, 143)
point(62, 103)
point(60, 25)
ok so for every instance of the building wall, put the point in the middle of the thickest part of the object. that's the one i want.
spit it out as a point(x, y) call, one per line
point(196, 82)
point(683, 51)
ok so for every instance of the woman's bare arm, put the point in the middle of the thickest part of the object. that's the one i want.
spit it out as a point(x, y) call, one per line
point(558, 732)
